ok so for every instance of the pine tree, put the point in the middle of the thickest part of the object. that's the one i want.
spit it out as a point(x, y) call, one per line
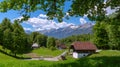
point(6, 24)
point(19, 38)
point(8, 39)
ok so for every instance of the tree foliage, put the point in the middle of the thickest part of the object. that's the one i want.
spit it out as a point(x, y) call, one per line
point(36, 37)
point(100, 35)
point(33, 36)
point(19, 37)
point(13, 37)
point(94, 9)
point(106, 35)
point(41, 40)
point(114, 36)
point(7, 39)
point(73, 38)
point(51, 42)
point(5, 27)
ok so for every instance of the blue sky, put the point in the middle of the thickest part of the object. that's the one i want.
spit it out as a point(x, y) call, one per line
point(38, 20)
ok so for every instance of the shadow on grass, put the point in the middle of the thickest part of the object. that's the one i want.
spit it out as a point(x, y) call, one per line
point(17, 57)
point(104, 61)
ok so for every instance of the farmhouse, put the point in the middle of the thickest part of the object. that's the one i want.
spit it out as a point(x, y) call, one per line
point(81, 49)
point(61, 46)
point(35, 45)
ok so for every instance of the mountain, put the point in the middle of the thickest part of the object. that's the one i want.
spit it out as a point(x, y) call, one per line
point(28, 31)
point(68, 31)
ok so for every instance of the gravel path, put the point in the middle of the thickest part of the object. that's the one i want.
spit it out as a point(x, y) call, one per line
point(36, 57)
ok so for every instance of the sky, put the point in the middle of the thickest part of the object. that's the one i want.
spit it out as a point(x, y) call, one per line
point(38, 20)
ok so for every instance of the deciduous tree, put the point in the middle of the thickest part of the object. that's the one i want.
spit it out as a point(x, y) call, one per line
point(94, 9)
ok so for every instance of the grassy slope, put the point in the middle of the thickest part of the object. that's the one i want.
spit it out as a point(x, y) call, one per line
point(47, 52)
point(5, 57)
point(106, 58)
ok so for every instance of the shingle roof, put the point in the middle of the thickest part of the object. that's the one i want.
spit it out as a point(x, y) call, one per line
point(84, 46)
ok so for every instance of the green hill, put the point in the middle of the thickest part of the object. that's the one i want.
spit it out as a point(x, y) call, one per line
point(106, 58)
point(4, 57)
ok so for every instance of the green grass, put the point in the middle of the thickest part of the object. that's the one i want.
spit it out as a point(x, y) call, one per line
point(4, 57)
point(47, 52)
point(107, 53)
point(106, 58)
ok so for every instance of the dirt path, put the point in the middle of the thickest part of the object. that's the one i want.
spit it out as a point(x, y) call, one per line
point(36, 57)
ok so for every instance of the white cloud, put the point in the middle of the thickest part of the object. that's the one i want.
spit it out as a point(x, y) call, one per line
point(42, 16)
point(67, 13)
point(28, 29)
point(42, 23)
point(83, 21)
point(74, 27)
point(110, 11)
point(18, 18)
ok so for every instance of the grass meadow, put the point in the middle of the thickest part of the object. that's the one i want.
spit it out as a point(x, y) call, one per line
point(106, 58)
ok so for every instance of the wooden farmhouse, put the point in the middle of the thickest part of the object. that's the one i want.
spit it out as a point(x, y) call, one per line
point(81, 49)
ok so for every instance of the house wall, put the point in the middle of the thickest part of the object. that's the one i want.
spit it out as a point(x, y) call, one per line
point(79, 55)
point(75, 54)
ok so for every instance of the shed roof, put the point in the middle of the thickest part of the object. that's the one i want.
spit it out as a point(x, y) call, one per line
point(35, 45)
point(63, 46)
point(84, 46)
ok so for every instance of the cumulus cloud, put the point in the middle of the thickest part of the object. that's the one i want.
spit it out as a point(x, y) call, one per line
point(83, 21)
point(42, 23)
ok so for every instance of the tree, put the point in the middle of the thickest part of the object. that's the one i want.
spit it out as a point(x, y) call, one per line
point(5, 32)
point(114, 36)
point(13, 37)
point(30, 42)
point(33, 36)
point(41, 40)
point(6, 24)
point(20, 41)
point(73, 38)
point(7, 39)
point(95, 9)
point(51, 42)
point(1, 33)
point(100, 35)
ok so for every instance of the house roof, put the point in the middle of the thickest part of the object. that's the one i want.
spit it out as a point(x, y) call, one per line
point(84, 46)
point(62, 46)
point(35, 45)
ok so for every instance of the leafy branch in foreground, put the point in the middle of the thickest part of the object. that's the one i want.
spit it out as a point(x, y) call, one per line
point(94, 9)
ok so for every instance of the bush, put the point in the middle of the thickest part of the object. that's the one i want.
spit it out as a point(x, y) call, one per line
point(53, 48)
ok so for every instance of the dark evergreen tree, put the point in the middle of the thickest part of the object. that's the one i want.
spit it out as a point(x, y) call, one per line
point(7, 39)
point(19, 38)
point(6, 24)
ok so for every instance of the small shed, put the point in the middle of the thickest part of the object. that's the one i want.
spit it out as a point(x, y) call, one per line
point(35, 45)
point(81, 49)
point(61, 46)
